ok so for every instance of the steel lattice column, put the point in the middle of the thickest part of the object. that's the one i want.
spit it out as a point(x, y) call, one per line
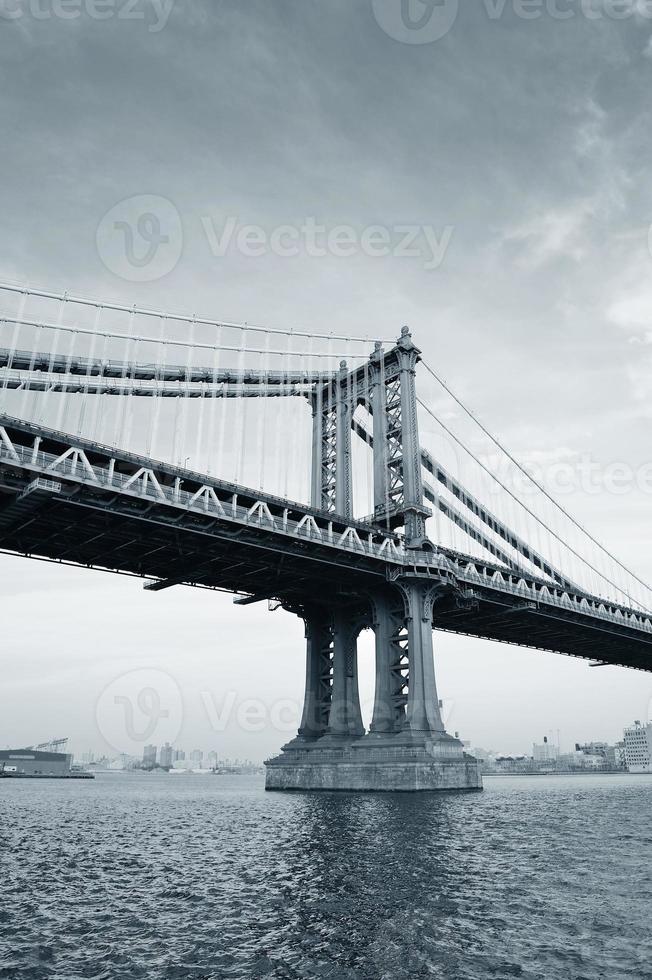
point(332, 408)
point(319, 674)
point(406, 698)
point(398, 483)
point(422, 714)
point(413, 508)
point(345, 717)
point(392, 662)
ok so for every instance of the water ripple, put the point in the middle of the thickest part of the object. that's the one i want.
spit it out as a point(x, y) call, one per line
point(205, 878)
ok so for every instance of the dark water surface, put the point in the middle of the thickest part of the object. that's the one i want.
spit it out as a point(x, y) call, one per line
point(135, 876)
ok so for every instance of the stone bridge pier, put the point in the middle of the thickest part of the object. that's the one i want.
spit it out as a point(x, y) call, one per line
point(407, 747)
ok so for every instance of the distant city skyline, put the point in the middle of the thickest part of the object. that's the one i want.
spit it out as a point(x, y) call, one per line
point(542, 748)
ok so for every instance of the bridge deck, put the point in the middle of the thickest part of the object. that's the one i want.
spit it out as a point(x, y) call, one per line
point(68, 500)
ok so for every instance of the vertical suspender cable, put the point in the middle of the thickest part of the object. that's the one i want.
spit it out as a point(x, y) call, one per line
point(200, 448)
point(242, 410)
point(280, 426)
point(52, 421)
point(262, 412)
point(159, 382)
point(85, 398)
point(215, 405)
point(224, 408)
point(187, 402)
point(284, 449)
point(15, 335)
point(95, 431)
point(124, 406)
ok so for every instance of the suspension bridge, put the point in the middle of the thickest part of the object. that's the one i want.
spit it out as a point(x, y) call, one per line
point(340, 478)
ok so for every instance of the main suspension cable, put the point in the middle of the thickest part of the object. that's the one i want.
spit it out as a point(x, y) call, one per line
point(532, 479)
point(181, 317)
point(168, 341)
point(503, 486)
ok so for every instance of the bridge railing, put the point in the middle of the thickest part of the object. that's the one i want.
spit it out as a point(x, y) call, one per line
point(224, 502)
point(539, 592)
point(212, 499)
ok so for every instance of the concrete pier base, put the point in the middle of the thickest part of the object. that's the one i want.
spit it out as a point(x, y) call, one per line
point(407, 748)
point(396, 763)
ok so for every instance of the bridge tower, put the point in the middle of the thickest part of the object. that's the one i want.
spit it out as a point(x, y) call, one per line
point(407, 747)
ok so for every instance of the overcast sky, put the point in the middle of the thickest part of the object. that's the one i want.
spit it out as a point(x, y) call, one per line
point(518, 147)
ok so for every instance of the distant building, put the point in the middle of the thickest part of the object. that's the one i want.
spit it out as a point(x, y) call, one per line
point(513, 763)
point(197, 757)
point(610, 757)
point(149, 755)
point(586, 761)
point(638, 747)
point(165, 755)
point(546, 752)
point(595, 755)
point(620, 756)
point(31, 762)
point(124, 761)
point(178, 755)
point(593, 748)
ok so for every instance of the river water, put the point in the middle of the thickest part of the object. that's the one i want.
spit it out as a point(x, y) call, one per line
point(148, 876)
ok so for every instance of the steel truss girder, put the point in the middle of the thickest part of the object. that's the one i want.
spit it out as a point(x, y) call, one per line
point(478, 509)
point(128, 387)
point(94, 480)
point(96, 368)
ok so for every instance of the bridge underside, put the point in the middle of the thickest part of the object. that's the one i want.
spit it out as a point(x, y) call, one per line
point(92, 524)
point(533, 625)
point(141, 540)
